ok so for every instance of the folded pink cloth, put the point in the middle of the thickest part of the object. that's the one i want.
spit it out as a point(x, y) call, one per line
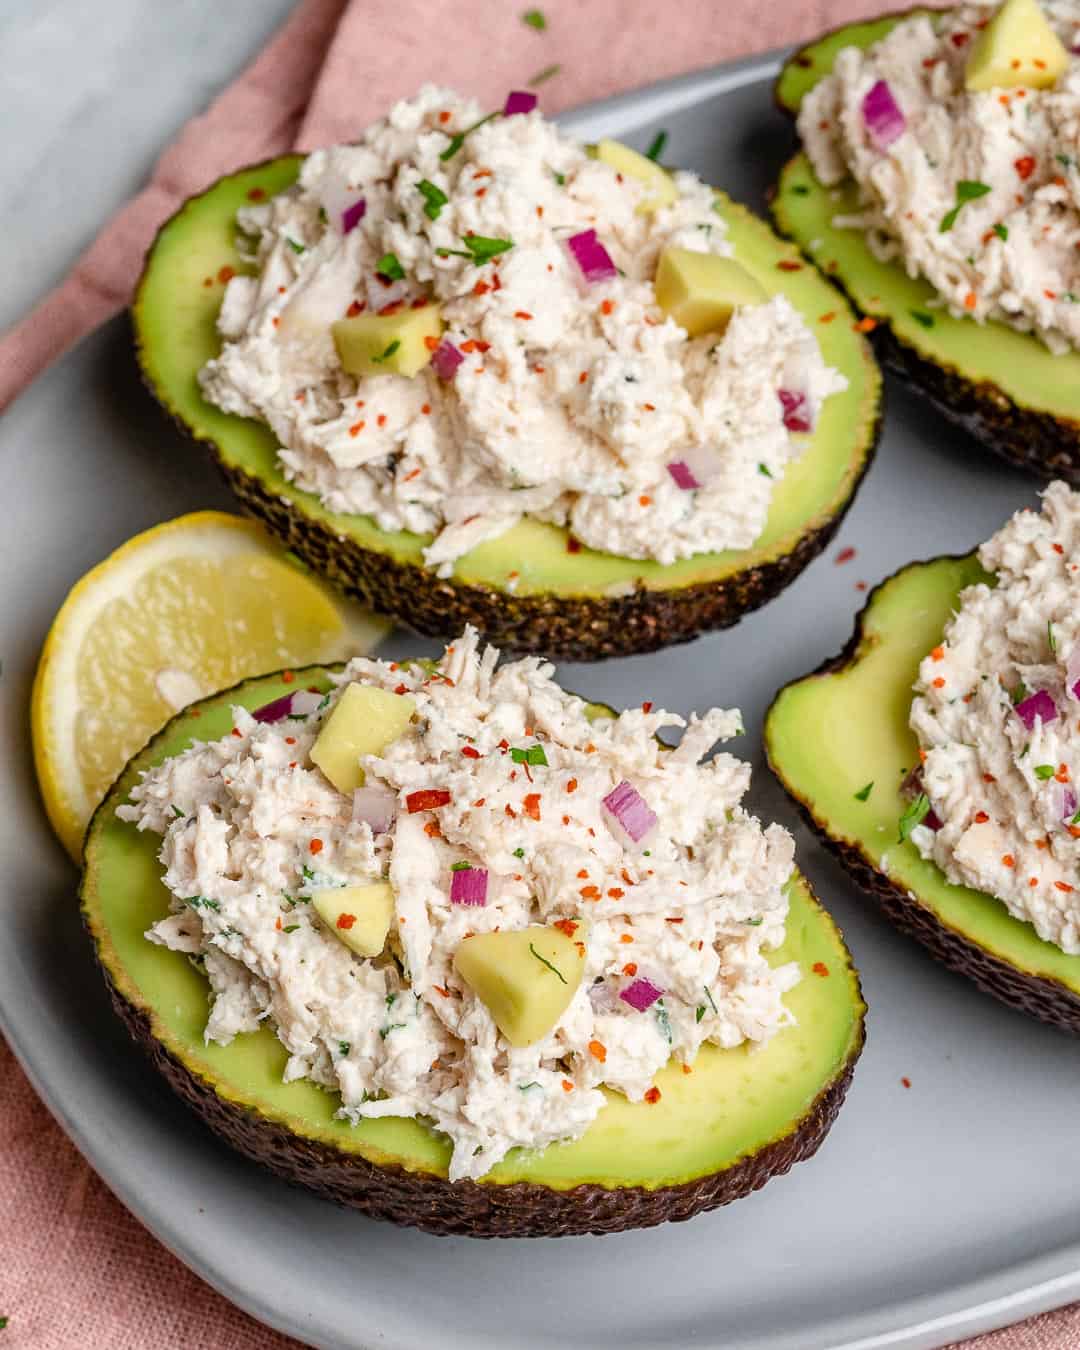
point(78, 1270)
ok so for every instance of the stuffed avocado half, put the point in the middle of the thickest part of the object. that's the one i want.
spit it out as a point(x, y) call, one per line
point(938, 289)
point(607, 566)
point(707, 1130)
point(840, 742)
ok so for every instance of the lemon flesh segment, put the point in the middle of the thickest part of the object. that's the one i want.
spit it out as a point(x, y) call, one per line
point(180, 611)
point(1016, 48)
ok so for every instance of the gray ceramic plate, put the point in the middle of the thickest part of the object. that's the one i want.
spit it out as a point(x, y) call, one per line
point(930, 1212)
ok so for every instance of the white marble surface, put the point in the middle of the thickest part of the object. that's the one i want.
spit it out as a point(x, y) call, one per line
point(91, 93)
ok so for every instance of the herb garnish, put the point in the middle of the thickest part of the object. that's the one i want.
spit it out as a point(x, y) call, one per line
point(291, 928)
point(699, 1012)
point(461, 867)
point(754, 923)
point(535, 18)
point(480, 249)
point(344, 1047)
point(519, 853)
point(921, 316)
point(864, 792)
point(560, 178)
point(1043, 772)
point(1050, 635)
point(764, 469)
point(202, 902)
point(386, 355)
point(458, 139)
point(1002, 231)
point(434, 198)
point(296, 248)
point(915, 813)
point(1019, 693)
point(708, 995)
point(385, 1031)
point(548, 73)
point(388, 266)
point(663, 1021)
point(657, 148)
point(966, 191)
point(177, 812)
point(545, 962)
point(524, 1087)
point(533, 755)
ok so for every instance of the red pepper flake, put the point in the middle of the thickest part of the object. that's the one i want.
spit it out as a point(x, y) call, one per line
point(426, 409)
point(531, 805)
point(573, 545)
point(1038, 64)
point(236, 733)
point(481, 192)
point(1008, 860)
point(567, 926)
point(510, 811)
point(938, 654)
point(1058, 548)
point(1062, 775)
point(938, 682)
point(1050, 295)
point(981, 817)
point(567, 1086)
point(866, 325)
point(583, 875)
point(481, 288)
point(607, 306)
point(645, 500)
point(278, 925)
point(276, 321)
point(346, 921)
point(381, 420)
point(789, 265)
point(930, 62)
point(959, 39)
point(652, 1096)
point(522, 314)
point(316, 846)
point(820, 968)
point(845, 555)
point(583, 377)
point(357, 428)
point(226, 274)
point(905, 1082)
point(431, 343)
point(470, 752)
point(354, 309)
point(428, 799)
point(989, 778)
point(626, 937)
point(590, 892)
point(649, 407)
point(479, 801)
point(828, 318)
point(292, 763)
point(674, 920)
point(1063, 886)
point(431, 829)
point(1025, 166)
point(444, 117)
point(1033, 881)
point(469, 346)
point(256, 194)
point(440, 990)
point(597, 1051)
point(970, 300)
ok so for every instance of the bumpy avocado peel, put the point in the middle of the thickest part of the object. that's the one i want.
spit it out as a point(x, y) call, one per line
point(396, 1170)
point(527, 591)
point(1003, 387)
point(838, 744)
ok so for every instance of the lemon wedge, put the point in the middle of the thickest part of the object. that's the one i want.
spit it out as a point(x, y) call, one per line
point(179, 612)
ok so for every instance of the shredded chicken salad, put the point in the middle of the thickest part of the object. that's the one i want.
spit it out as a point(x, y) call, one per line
point(560, 392)
point(996, 713)
point(500, 769)
point(976, 191)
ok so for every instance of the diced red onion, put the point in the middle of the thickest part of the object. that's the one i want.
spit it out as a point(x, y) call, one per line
point(519, 101)
point(931, 820)
point(274, 712)
point(353, 215)
point(380, 293)
point(591, 258)
point(683, 475)
point(630, 811)
point(641, 994)
point(882, 116)
point(446, 359)
point(1039, 705)
point(797, 414)
point(304, 703)
point(604, 996)
point(1072, 672)
point(703, 462)
point(377, 806)
point(468, 886)
point(1066, 798)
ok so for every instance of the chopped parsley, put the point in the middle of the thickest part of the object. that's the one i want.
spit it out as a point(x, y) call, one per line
point(388, 266)
point(916, 812)
point(385, 1031)
point(434, 199)
point(391, 999)
point(663, 1021)
point(1002, 231)
point(519, 853)
point(479, 249)
point(1019, 693)
point(386, 355)
point(296, 248)
point(524, 1087)
point(1066, 161)
point(657, 148)
point(176, 811)
point(1076, 819)
point(461, 867)
point(764, 469)
point(708, 995)
point(306, 872)
point(1043, 771)
point(344, 1047)
point(543, 961)
point(534, 754)
point(967, 190)
point(864, 792)
point(560, 178)
point(548, 73)
point(699, 1012)
point(1050, 635)
point(754, 923)
point(535, 18)
point(291, 928)
point(458, 139)
point(921, 316)
point(202, 902)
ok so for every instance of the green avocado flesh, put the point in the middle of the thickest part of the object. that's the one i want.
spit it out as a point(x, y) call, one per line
point(175, 312)
point(1005, 362)
point(827, 736)
point(733, 1104)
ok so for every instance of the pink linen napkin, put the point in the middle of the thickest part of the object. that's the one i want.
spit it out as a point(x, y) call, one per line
point(77, 1269)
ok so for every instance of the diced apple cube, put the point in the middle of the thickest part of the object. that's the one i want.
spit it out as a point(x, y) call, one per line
point(388, 344)
point(1017, 47)
point(525, 978)
point(359, 916)
point(662, 190)
point(701, 291)
point(365, 720)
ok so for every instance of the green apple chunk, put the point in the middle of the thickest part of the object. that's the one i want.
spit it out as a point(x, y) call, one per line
point(525, 978)
point(365, 720)
point(622, 159)
point(358, 916)
point(701, 291)
point(388, 344)
point(1017, 47)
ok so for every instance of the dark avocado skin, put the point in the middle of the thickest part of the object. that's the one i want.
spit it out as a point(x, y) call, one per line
point(1044, 999)
point(470, 1208)
point(563, 627)
point(465, 1208)
point(1039, 442)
